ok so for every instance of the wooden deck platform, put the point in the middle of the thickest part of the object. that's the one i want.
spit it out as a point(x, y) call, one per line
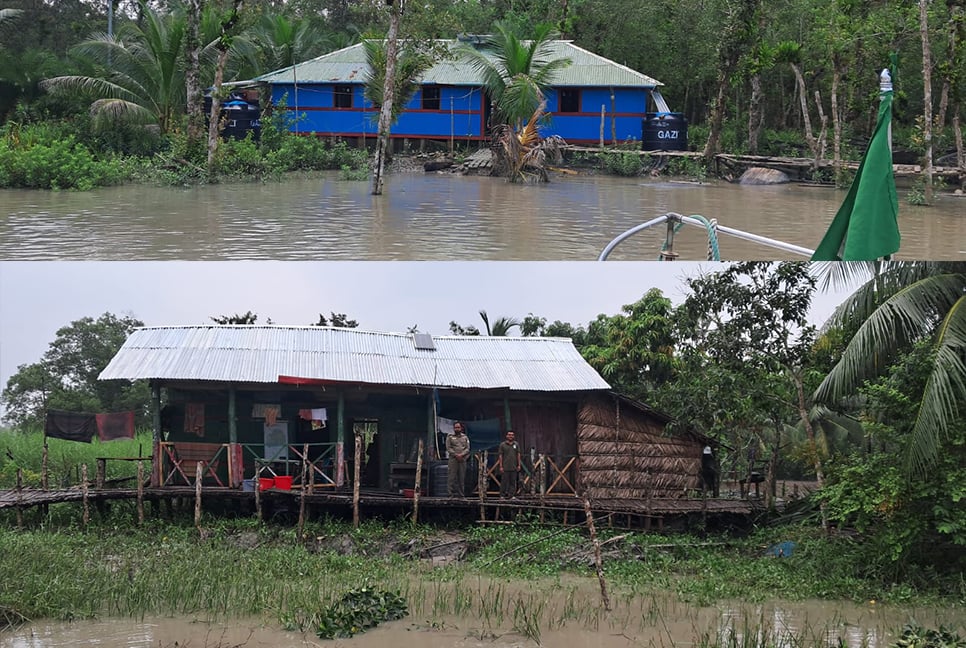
point(651, 513)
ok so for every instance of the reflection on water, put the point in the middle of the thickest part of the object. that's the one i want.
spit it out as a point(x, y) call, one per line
point(435, 217)
point(636, 621)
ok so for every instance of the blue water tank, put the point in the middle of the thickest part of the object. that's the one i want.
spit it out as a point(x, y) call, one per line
point(664, 131)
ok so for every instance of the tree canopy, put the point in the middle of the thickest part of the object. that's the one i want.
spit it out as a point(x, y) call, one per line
point(66, 375)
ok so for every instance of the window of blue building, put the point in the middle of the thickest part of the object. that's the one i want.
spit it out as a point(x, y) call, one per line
point(430, 98)
point(569, 100)
point(343, 96)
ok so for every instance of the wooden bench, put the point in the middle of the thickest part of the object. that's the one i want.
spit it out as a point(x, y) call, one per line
point(184, 457)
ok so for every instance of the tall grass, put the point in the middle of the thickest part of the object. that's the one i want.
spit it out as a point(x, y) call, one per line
point(24, 450)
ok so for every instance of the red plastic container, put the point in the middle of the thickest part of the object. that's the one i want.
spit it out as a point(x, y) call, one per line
point(283, 482)
point(266, 483)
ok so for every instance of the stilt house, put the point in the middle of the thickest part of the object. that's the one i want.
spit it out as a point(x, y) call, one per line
point(251, 400)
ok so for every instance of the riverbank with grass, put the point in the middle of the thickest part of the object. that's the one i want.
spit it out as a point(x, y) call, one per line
point(532, 579)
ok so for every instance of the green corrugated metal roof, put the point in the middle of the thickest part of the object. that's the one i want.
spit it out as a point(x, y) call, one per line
point(348, 65)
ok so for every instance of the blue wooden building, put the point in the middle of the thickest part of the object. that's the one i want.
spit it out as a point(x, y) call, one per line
point(328, 94)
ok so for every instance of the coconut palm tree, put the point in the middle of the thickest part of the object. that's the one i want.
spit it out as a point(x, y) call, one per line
point(411, 62)
point(277, 41)
point(137, 75)
point(515, 73)
point(501, 325)
point(898, 305)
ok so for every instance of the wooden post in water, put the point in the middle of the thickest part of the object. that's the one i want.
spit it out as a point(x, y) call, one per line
point(19, 498)
point(140, 492)
point(602, 120)
point(355, 483)
point(481, 483)
point(419, 474)
point(199, 474)
point(605, 599)
point(305, 460)
point(87, 511)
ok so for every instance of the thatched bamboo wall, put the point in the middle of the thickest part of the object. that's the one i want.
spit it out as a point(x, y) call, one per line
point(624, 453)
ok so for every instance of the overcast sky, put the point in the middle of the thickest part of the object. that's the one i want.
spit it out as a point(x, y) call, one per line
point(37, 298)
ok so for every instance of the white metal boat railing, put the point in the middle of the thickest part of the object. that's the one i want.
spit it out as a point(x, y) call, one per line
point(674, 220)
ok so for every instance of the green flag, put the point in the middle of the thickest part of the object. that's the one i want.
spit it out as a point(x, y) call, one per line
point(866, 226)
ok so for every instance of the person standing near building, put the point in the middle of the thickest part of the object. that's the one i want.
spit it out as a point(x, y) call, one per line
point(457, 451)
point(508, 465)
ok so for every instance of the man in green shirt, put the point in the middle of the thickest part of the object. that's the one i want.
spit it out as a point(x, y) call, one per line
point(457, 451)
point(508, 465)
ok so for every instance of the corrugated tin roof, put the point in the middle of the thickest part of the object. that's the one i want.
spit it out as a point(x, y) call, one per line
point(348, 65)
point(261, 354)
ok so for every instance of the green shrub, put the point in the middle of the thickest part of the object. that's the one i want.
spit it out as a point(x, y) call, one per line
point(242, 159)
point(36, 158)
point(623, 163)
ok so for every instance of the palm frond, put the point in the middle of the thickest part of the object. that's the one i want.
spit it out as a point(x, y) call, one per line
point(908, 315)
point(107, 110)
point(944, 393)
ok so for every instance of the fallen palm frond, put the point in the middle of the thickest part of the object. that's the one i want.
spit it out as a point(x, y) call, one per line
point(524, 155)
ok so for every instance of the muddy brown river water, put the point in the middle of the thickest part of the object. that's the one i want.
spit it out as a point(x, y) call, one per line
point(436, 217)
point(635, 621)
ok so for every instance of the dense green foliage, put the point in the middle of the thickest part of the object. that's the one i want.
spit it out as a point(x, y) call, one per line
point(139, 74)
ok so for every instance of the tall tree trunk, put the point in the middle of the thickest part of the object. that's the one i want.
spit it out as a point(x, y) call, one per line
point(214, 118)
point(960, 154)
point(194, 133)
point(810, 434)
point(756, 116)
point(388, 96)
point(806, 119)
point(926, 95)
point(836, 120)
point(822, 140)
point(736, 39)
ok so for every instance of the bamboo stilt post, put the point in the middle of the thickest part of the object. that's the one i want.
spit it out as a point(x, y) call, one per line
point(481, 483)
point(541, 468)
point(355, 483)
point(19, 498)
point(44, 475)
point(311, 478)
point(140, 492)
point(44, 472)
point(419, 474)
point(199, 473)
point(305, 461)
point(258, 497)
point(87, 511)
point(598, 565)
point(99, 473)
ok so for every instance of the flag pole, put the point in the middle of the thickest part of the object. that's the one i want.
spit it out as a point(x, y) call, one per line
point(866, 226)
